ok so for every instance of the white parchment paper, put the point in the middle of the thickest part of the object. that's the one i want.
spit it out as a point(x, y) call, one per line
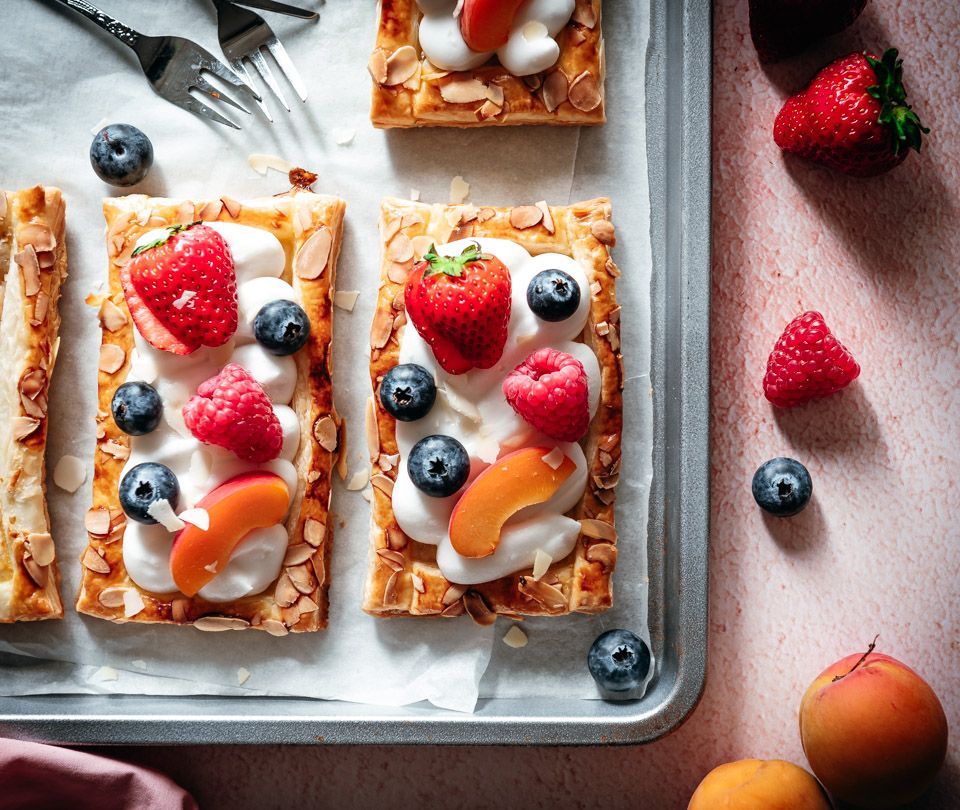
point(61, 79)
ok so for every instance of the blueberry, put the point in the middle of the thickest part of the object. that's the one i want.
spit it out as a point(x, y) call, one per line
point(121, 155)
point(281, 327)
point(438, 465)
point(137, 408)
point(782, 487)
point(553, 295)
point(408, 392)
point(144, 485)
point(619, 661)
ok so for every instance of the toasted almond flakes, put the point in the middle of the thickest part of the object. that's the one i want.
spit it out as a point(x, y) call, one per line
point(453, 593)
point(421, 244)
point(392, 559)
point(418, 584)
point(603, 553)
point(94, 562)
point(274, 627)
point(485, 214)
point(41, 547)
point(459, 190)
point(544, 593)
point(602, 328)
point(38, 236)
point(554, 90)
point(381, 329)
point(554, 458)
point(285, 594)
point(358, 480)
point(478, 609)
point(463, 91)
point(298, 553)
point(23, 426)
point(132, 602)
point(400, 248)
point(325, 432)
point(343, 136)
point(217, 624)
point(302, 578)
point(377, 66)
point(97, 521)
point(41, 305)
point(547, 216)
point(598, 529)
point(260, 163)
point(112, 597)
point(69, 473)
point(29, 269)
point(198, 516)
point(390, 590)
point(372, 429)
point(346, 299)
point(396, 539)
point(541, 562)
point(243, 675)
point(105, 674)
point(112, 358)
point(38, 573)
point(515, 637)
point(162, 512)
point(232, 206)
point(401, 65)
point(584, 92)
point(111, 316)
point(603, 231)
point(525, 216)
point(585, 15)
point(383, 483)
point(314, 532)
point(115, 450)
point(313, 256)
point(414, 194)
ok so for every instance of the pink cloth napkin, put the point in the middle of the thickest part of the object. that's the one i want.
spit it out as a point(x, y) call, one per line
point(42, 776)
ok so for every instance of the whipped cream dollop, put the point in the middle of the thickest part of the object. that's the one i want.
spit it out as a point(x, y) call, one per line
point(472, 409)
point(530, 48)
point(259, 262)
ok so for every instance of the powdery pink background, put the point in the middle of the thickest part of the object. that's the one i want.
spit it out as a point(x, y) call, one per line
point(878, 551)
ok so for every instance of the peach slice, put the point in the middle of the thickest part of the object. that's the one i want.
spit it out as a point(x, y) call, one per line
point(249, 501)
point(519, 479)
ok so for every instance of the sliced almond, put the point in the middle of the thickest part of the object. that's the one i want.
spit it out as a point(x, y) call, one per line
point(478, 609)
point(584, 92)
point(603, 231)
point(525, 216)
point(346, 299)
point(541, 562)
point(603, 553)
point(302, 578)
point(398, 272)
point(555, 89)
point(325, 432)
point(94, 562)
point(547, 216)
point(585, 14)
point(390, 228)
point(453, 594)
point(111, 316)
point(391, 558)
point(260, 163)
point(396, 539)
point(38, 236)
point(400, 248)
point(515, 637)
point(312, 258)
point(298, 553)
point(383, 483)
point(97, 521)
point(33, 382)
point(456, 609)
point(485, 214)
point(463, 90)
point(401, 65)
point(391, 590)
point(41, 306)
point(418, 584)
point(210, 211)
point(358, 480)
point(112, 358)
point(381, 329)
point(132, 602)
point(306, 605)
point(378, 66)
point(38, 573)
point(69, 473)
point(548, 596)
point(274, 627)
point(532, 82)
point(115, 450)
point(232, 206)
point(217, 624)
point(488, 110)
point(459, 191)
point(314, 532)
point(41, 547)
point(112, 597)
point(23, 427)
point(598, 529)
point(29, 269)
point(285, 594)
point(495, 94)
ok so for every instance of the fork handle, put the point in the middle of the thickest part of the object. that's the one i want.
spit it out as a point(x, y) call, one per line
point(127, 35)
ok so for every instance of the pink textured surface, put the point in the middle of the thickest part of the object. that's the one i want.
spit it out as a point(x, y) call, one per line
point(879, 549)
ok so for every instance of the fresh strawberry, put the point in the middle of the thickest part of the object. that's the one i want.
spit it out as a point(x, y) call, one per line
point(549, 390)
point(181, 289)
point(460, 305)
point(853, 117)
point(232, 410)
point(485, 24)
point(783, 27)
point(807, 363)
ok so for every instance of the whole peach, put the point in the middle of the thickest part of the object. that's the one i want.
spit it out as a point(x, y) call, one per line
point(749, 784)
point(873, 730)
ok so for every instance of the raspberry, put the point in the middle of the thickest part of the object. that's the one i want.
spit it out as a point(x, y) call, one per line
point(807, 363)
point(231, 410)
point(549, 390)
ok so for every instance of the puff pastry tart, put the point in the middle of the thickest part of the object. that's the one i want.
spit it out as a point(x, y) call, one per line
point(217, 431)
point(33, 263)
point(478, 63)
point(495, 423)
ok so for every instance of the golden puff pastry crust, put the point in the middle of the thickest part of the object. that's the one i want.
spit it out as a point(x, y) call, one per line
point(309, 226)
point(410, 92)
point(403, 577)
point(33, 261)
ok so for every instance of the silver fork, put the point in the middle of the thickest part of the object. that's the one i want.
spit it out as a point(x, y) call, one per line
point(242, 36)
point(173, 65)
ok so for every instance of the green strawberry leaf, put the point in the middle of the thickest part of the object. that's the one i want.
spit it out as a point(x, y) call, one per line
point(451, 265)
point(162, 240)
point(895, 113)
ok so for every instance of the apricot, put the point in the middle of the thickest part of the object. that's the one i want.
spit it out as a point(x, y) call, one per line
point(757, 784)
point(249, 501)
point(519, 479)
point(873, 730)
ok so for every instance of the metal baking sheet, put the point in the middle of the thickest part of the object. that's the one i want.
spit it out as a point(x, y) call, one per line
point(678, 141)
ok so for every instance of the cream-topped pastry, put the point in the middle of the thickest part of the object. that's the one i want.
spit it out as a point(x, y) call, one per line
point(530, 45)
point(471, 407)
point(201, 467)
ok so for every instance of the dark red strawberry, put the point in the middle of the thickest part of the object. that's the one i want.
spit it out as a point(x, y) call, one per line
point(783, 27)
point(182, 289)
point(853, 117)
point(807, 363)
point(460, 305)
